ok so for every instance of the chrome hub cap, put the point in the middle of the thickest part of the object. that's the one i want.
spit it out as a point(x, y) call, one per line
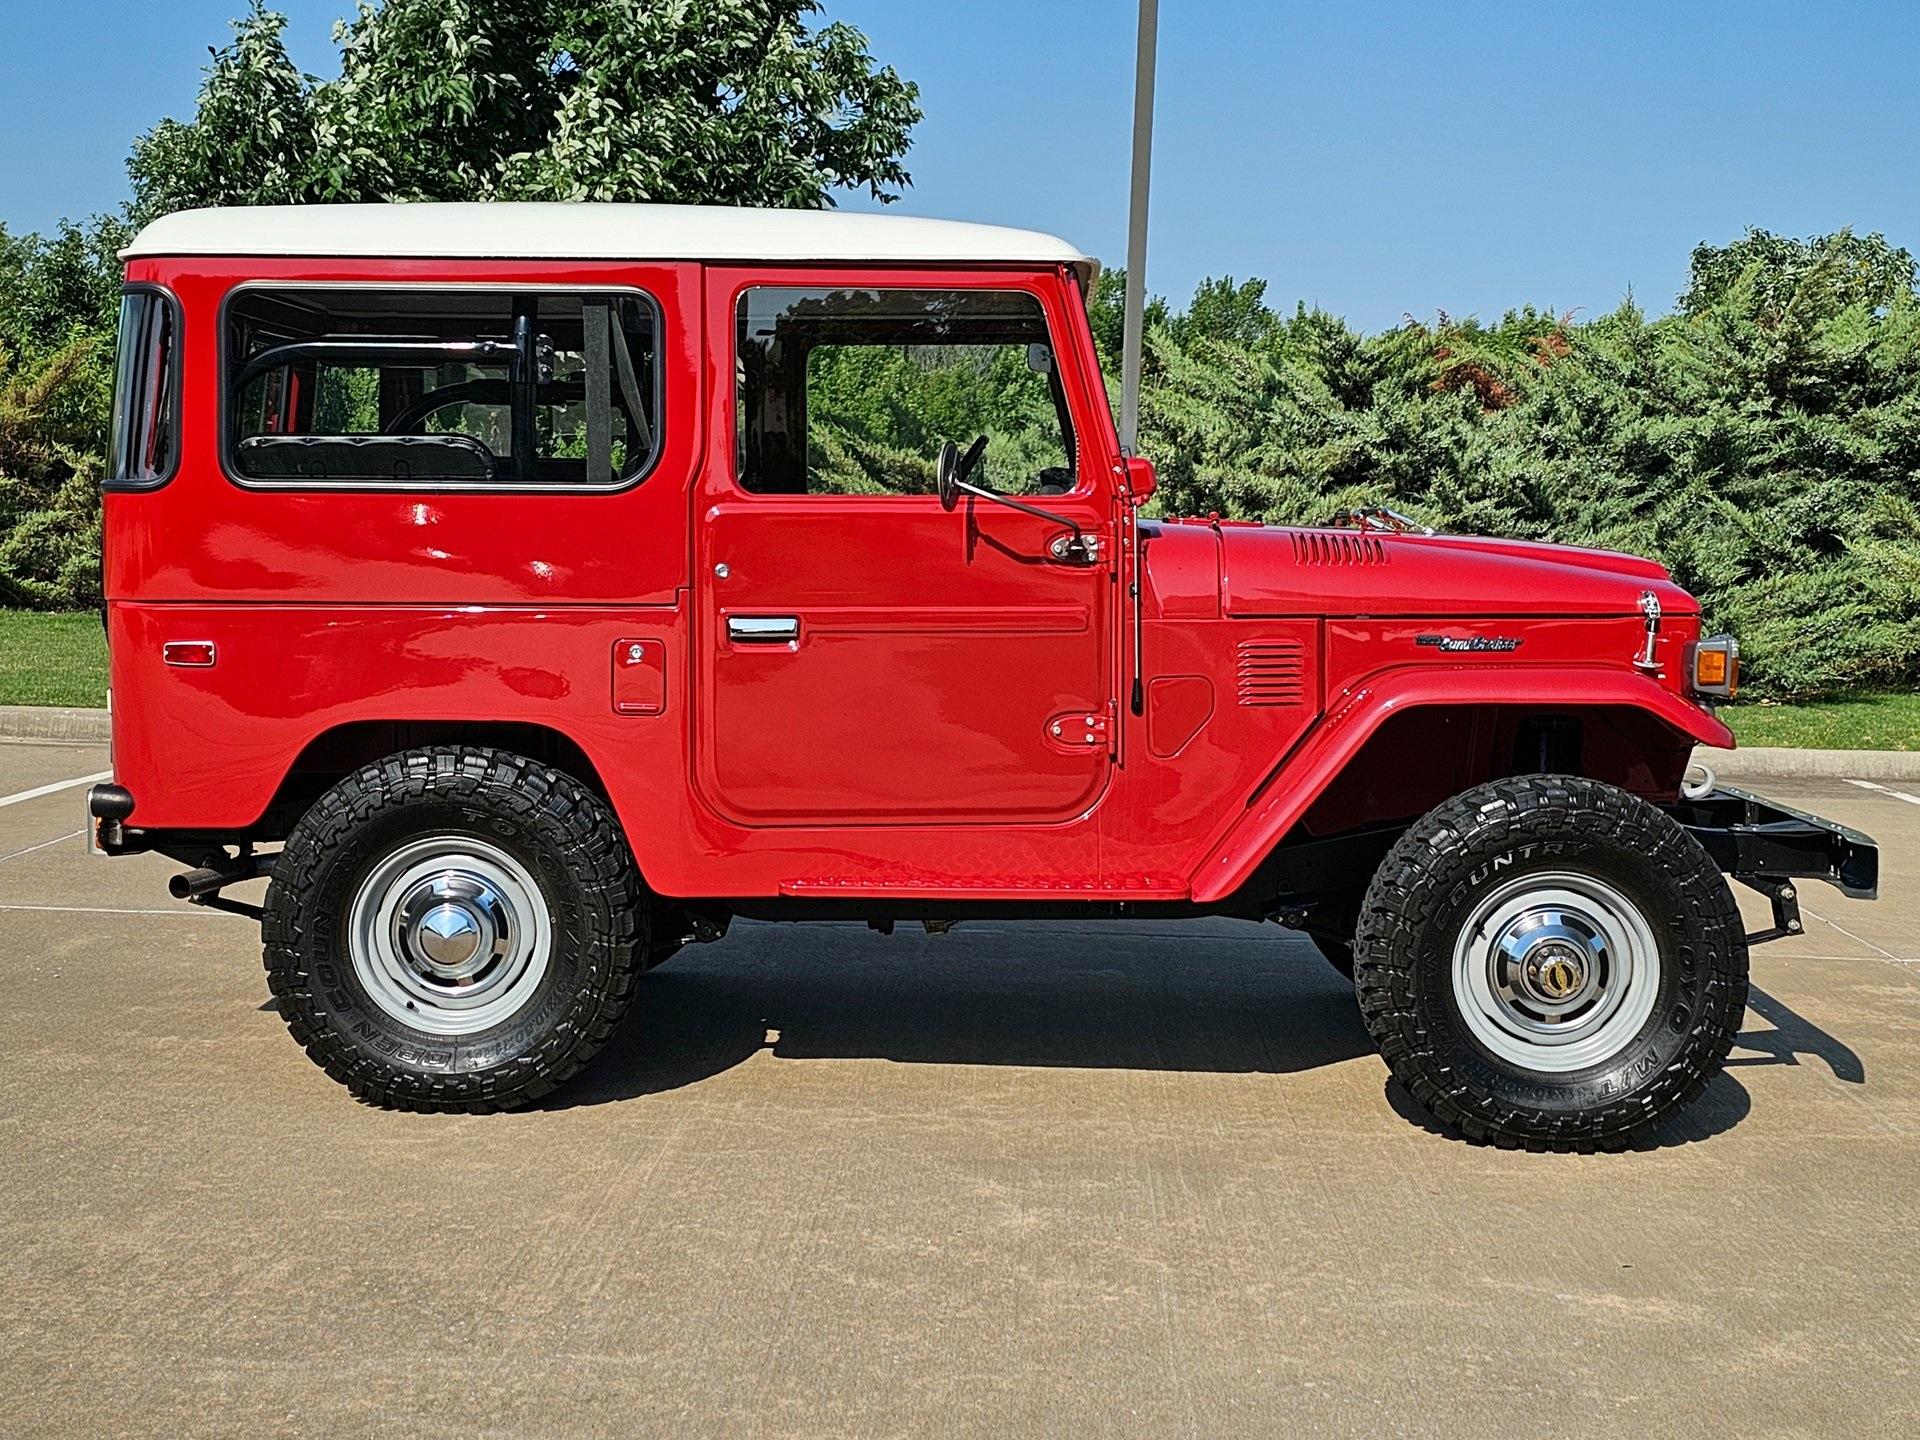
point(1555, 972)
point(449, 935)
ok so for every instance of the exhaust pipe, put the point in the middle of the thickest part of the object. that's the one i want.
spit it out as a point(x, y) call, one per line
point(203, 885)
point(191, 884)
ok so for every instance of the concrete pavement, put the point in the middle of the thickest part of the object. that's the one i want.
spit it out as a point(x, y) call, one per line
point(1043, 1179)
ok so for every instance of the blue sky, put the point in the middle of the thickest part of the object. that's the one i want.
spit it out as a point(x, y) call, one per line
point(1375, 158)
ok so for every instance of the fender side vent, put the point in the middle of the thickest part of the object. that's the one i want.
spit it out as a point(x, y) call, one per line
point(1331, 547)
point(1271, 672)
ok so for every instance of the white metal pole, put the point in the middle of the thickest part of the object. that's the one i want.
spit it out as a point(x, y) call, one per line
point(1135, 315)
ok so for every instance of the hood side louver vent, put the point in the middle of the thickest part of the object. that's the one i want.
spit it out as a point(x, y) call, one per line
point(1271, 672)
point(1322, 547)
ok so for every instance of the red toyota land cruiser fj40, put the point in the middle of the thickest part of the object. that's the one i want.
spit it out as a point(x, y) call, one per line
point(526, 591)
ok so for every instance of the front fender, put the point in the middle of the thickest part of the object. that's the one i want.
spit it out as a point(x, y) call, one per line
point(1352, 721)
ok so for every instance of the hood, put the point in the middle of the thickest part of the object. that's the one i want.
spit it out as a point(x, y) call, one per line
point(1271, 570)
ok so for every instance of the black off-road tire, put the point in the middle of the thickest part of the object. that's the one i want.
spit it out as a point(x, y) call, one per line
point(1424, 893)
point(564, 836)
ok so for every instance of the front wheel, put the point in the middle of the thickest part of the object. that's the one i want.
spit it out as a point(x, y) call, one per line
point(454, 929)
point(1550, 962)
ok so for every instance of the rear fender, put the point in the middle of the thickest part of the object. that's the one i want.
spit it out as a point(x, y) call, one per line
point(1353, 719)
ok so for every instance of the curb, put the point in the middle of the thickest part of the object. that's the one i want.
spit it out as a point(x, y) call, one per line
point(1764, 763)
point(49, 722)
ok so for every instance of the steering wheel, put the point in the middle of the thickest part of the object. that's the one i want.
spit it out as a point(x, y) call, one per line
point(955, 467)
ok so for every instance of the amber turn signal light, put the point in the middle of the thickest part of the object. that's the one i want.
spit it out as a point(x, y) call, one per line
point(1716, 667)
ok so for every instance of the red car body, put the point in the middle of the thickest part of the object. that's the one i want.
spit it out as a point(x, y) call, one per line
point(954, 721)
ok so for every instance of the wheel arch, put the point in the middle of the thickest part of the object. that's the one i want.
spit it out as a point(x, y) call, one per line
point(341, 749)
point(1456, 729)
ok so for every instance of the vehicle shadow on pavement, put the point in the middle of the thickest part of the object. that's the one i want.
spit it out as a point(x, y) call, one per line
point(1792, 1036)
point(1114, 999)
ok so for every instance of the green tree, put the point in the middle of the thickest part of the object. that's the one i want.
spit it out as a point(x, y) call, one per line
point(1856, 268)
point(58, 298)
point(1106, 311)
point(52, 288)
point(1764, 442)
point(1222, 310)
point(705, 101)
point(52, 412)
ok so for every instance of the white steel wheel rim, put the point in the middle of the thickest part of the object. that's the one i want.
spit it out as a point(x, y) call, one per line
point(449, 935)
point(1555, 972)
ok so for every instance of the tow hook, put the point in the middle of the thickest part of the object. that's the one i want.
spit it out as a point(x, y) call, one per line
point(202, 886)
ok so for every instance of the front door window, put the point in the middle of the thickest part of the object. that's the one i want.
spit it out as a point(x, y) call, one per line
point(853, 391)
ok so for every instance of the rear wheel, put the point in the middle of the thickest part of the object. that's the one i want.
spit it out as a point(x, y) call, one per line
point(454, 929)
point(1551, 962)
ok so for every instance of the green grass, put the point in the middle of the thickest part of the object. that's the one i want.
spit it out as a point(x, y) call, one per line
point(1862, 722)
point(52, 659)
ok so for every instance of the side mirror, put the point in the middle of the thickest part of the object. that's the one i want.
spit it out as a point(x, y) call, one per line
point(950, 472)
point(946, 475)
point(1141, 482)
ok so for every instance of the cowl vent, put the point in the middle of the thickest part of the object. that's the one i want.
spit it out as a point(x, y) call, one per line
point(1271, 672)
point(1330, 547)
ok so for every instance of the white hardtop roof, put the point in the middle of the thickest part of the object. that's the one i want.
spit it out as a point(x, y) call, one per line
point(524, 231)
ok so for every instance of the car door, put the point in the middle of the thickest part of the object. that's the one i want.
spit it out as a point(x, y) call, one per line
point(865, 655)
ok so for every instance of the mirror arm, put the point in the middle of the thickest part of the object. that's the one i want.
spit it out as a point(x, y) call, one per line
point(1021, 505)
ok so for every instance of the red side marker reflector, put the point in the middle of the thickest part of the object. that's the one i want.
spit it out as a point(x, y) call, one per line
point(187, 652)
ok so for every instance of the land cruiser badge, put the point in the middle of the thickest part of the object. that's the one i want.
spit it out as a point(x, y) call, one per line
point(1499, 644)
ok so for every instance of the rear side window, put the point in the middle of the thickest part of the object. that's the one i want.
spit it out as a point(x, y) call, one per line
point(441, 389)
point(146, 392)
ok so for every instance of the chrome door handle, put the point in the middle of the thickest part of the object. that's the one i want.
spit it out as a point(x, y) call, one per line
point(763, 629)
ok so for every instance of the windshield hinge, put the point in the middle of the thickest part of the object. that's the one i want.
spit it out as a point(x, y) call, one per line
point(1088, 729)
point(1078, 548)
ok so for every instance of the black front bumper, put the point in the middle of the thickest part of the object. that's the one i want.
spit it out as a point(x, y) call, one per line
point(1766, 844)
